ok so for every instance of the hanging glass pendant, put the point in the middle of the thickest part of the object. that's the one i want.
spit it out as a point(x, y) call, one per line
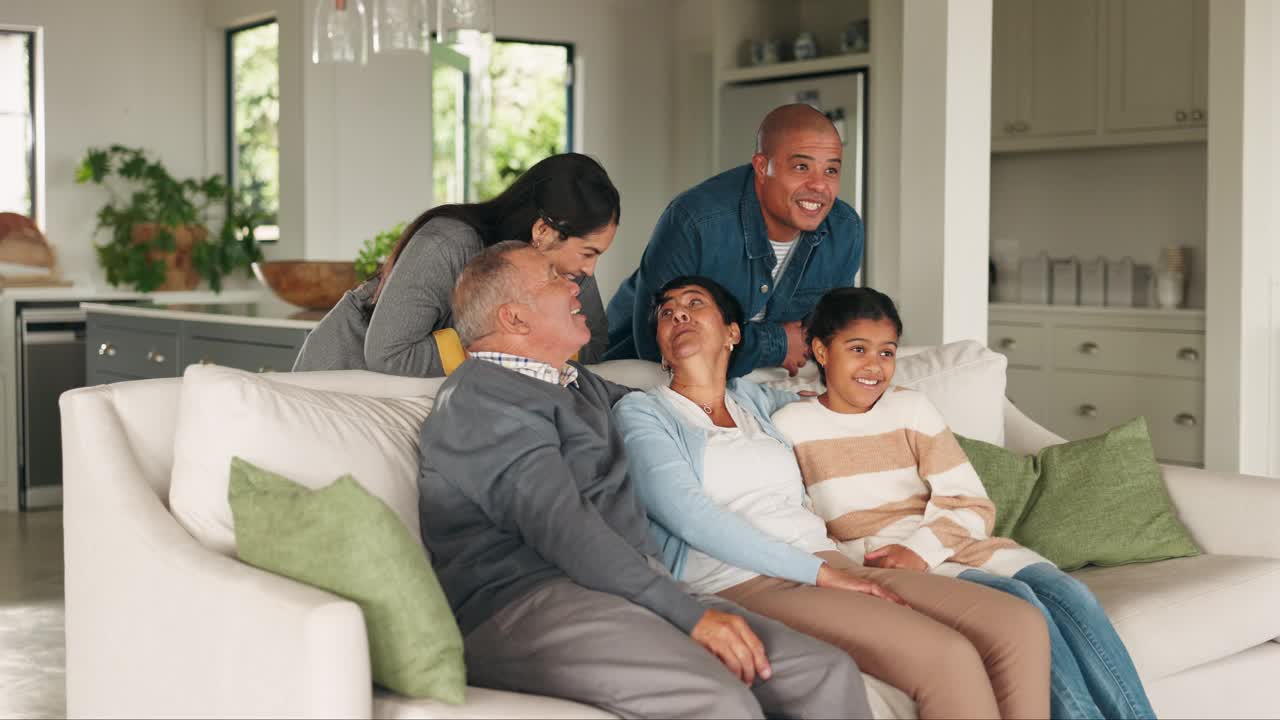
point(454, 17)
point(401, 25)
point(339, 32)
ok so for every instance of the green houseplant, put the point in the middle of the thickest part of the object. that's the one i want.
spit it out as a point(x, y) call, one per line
point(376, 250)
point(159, 225)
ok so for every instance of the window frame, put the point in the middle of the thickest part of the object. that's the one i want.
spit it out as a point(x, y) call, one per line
point(35, 102)
point(229, 100)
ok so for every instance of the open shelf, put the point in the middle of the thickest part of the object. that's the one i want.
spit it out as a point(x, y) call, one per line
point(773, 71)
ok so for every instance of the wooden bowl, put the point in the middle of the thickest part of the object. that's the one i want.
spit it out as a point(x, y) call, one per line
point(309, 284)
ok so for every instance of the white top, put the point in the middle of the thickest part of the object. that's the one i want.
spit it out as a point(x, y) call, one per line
point(781, 251)
point(747, 472)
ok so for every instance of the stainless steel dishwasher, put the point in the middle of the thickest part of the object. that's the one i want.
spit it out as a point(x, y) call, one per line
point(50, 361)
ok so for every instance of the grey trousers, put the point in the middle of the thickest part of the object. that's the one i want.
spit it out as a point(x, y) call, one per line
point(566, 641)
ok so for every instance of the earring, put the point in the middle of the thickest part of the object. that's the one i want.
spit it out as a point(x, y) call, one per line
point(730, 346)
point(665, 367)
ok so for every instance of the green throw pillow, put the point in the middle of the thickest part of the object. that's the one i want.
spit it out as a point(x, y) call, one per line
point(344, 540)
point(1098, 501)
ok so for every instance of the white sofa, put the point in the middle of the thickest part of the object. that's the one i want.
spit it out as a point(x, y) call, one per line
point(159, 625)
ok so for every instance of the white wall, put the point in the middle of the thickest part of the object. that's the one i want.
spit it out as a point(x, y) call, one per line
point(1111, 202)
point(115, 72)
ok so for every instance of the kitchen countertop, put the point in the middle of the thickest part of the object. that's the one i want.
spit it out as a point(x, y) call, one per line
point(259, 309)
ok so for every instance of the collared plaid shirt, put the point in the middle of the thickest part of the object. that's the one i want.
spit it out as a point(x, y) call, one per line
point(563, 377)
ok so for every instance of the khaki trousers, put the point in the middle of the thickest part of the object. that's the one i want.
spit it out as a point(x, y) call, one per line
point(960, 651)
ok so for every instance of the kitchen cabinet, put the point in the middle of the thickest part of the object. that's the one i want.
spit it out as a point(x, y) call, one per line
point(1045, 68)
point(1082, 371)
point(1098, 73)
point(137, 343)
point(1157, 64)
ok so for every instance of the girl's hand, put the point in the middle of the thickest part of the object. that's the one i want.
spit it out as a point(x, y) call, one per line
point(829, 577)
point(900, 557)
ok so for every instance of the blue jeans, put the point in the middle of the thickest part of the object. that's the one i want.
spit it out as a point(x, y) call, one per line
point(1091, 674)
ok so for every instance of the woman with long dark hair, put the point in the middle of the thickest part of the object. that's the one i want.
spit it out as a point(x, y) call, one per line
point(565, 205)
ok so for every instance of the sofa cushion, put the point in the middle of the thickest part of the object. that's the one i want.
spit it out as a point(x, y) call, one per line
point(342, 539)
point(1176, 614)
point(887, 703)
point(310, 427)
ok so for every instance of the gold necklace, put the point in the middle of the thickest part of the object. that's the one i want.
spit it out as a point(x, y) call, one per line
point(706, 407)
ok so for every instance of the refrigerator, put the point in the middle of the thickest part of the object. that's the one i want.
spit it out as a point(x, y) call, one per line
point(840, 95)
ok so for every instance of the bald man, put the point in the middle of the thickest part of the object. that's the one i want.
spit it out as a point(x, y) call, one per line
point(774, 233)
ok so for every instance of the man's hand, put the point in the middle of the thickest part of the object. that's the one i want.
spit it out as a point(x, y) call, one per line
point(829, 577)
point(895, 556)
point(797, 349)
point(729, 638)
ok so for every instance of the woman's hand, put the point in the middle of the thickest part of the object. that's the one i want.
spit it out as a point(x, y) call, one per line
point(829, 577)
point(729, 638)
point(899, 557)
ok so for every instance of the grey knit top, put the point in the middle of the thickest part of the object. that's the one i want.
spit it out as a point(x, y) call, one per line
point(394, 336)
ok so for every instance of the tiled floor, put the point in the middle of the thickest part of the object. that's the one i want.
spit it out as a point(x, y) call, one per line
point(32, 676)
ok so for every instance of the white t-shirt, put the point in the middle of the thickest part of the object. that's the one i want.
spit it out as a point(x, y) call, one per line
point(747, 472)
point(781, 251)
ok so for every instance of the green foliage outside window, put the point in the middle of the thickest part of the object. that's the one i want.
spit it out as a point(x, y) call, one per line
point(528, 121)
point(256, 99)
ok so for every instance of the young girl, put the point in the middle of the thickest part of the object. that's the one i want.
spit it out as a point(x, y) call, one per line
point(896, 491)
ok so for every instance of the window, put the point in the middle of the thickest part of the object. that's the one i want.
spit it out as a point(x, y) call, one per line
point(253, 121)
point(18, 127)
point(531, 115)
point(498, 107)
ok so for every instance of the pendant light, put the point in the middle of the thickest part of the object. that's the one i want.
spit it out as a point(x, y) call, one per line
point(401, 25)
point(453, 16)
point(339, 32)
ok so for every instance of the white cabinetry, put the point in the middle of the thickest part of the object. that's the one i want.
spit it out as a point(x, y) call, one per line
point(1080, 372)
point(1157, 64)
point(1097, 73)
point(1045, 68)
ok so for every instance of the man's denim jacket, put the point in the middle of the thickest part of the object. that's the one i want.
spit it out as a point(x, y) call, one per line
point(716, 229)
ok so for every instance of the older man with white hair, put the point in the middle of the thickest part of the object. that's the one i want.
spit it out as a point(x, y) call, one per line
point(544, 550)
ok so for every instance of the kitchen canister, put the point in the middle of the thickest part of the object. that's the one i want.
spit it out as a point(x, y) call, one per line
point(1093, 281)
point(1066, 282)
point(1120, 282)
point(1033, 279)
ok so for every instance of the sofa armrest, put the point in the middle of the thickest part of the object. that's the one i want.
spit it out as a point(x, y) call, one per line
point(1226, 513)
point(159, 626)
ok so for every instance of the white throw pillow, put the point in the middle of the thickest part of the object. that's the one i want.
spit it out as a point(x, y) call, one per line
point(965, 381)
point(309, 427)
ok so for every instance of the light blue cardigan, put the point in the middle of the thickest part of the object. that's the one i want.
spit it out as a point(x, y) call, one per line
point(664, 459)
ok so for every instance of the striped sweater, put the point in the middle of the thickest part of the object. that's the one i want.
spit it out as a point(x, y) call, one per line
point(896, 475)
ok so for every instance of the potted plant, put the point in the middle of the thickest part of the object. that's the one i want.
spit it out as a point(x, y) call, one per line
point(160, 225)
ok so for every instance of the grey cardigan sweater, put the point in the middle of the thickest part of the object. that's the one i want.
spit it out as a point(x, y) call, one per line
point(521, 482)
point(395, 335)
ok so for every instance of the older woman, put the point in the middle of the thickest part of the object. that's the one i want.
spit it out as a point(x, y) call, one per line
point(726, 500)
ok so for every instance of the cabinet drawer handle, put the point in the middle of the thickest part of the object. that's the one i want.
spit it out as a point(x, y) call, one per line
point(1089, 348)
point(1008, 343)
point(1197, 114)
point(1180, 116)
point(205, 361)
point(155, 357)
point(1022, 126)
point(265, 369)
point(1188, 354)
point(1009, 129)
point(106, 350)
point(1185, 419)
point(1087, 410)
